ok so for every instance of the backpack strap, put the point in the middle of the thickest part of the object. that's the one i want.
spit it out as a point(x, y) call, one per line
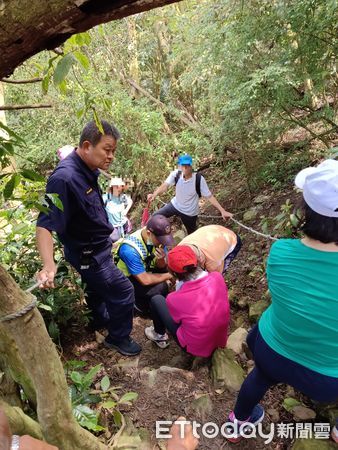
point(177, 176)
point(198, 184)
point(197, 181)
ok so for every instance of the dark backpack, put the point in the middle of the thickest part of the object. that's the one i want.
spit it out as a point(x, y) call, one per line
point(198, 181)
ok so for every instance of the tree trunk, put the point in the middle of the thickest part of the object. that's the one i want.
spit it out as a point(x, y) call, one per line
point(133, 56)
point(27, 27)
point(19, 422)
point(44, 367)
point(12, 361)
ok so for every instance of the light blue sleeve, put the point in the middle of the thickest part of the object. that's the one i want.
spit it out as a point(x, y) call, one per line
point(205, 191)
point(132, 259)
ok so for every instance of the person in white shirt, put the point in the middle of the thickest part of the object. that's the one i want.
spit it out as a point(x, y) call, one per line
point(190, 186)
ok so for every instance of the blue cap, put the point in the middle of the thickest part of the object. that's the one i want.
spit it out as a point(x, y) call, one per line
point(185, 160)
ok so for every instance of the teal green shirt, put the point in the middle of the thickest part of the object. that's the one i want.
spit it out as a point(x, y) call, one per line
point(302, 321)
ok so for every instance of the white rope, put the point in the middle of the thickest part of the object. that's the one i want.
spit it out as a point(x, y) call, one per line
point(266, 236)
point(28, 307)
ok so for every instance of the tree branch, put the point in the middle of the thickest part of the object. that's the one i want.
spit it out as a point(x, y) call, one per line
point(16, 107)
point(19, 422)
point(180, 114)
point(32, 80)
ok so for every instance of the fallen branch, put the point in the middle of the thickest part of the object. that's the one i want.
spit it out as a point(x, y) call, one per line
point(15, 107)
point(181, 115)
point(32, 80)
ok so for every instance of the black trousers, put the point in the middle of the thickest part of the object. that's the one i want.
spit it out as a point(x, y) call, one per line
point(161, 317)
point(144, 294)
point(190, 222)
point(110, 296)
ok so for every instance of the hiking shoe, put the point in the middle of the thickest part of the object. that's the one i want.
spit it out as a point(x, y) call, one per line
point(126, 347)
point(161, 340)
point(234, 434)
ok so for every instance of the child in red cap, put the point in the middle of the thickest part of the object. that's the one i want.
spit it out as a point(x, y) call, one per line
point(197, 315)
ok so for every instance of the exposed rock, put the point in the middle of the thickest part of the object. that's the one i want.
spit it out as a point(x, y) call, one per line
point(256, 310)
point(225, 371)
point(202, 406)
point(314, 444)
point(239, 321)
point(303, 413)
point(274, 415)
point(250, 215)
point(179, 235)
point(236, 340)
point(243, 302)
point(232, 296)
point(261, 199)
point(330, 412)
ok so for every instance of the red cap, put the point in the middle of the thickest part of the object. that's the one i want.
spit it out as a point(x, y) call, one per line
point(181, 257)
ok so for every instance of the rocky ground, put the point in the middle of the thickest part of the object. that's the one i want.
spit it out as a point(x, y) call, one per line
point(170, 384)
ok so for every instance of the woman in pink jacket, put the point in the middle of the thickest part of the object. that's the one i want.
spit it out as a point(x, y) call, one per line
point(197, 315)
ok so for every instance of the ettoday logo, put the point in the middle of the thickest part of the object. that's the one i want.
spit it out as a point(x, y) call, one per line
point(233, 430)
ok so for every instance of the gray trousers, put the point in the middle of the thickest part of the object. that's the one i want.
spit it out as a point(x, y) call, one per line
point(190, 222)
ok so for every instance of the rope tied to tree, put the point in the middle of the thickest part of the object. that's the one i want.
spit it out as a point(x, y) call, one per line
point(19, 313)
point(23, 311)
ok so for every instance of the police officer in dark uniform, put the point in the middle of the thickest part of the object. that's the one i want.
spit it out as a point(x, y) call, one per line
point(83, 228)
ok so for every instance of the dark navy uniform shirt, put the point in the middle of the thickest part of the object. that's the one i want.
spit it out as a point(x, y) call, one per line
point(83, 223)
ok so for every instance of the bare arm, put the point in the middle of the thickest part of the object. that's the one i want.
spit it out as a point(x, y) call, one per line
point(129, 205)
point(44, 240)
point(147, 278)
point(225, 214)
point(160, 190)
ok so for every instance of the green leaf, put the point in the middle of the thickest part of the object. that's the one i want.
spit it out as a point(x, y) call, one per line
point(8, 147)
point(83, 38)
point(63, 87)
point(76, 377)
point(128, 397)
point(109, 404)
point(45, 83)
point(74, 364)
point(54, 331)
point(83, 59)
point(98, 121)
point(31, 175)
point(62, 68)
point(45, 307)
point(86, 417)
point(117, 417)
point(11, 132)
point(80, 113)
point(290, 403)
point(11, 185)
point(105, 383)
point(89, 377)
point(54, 198)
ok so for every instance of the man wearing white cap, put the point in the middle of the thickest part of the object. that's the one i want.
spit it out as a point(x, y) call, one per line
point(296, 339)
point(117, 206)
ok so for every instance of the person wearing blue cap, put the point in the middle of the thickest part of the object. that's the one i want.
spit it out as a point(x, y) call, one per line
point(190, 186)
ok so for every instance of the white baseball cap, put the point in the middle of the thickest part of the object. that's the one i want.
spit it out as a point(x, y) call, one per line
point(320, 187)
point(116, 181)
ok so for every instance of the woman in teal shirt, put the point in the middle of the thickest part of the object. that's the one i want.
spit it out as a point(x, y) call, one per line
point(296, 339)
